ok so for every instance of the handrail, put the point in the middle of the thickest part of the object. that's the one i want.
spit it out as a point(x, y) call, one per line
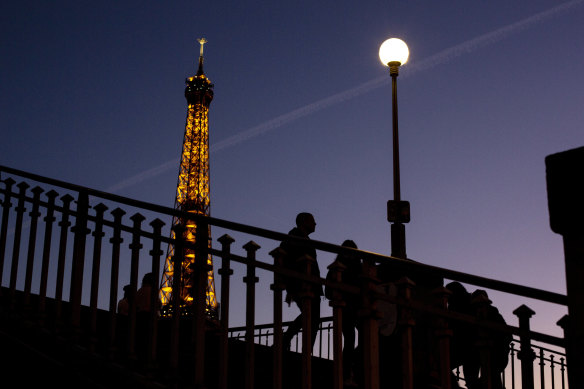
point(407, 264)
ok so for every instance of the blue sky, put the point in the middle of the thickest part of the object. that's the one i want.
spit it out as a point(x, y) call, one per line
point(92, 93)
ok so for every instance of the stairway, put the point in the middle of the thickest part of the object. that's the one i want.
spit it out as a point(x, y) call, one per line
point(35, 353)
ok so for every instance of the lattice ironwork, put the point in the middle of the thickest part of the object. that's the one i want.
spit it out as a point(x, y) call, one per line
point(192, 194)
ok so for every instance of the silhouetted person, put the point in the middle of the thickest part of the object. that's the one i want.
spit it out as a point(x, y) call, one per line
point(305, 226)
point(390, 338)
point(496, 342)
point(144, 294)
point(350, 320)
point(463, 335)
point(143, 307)
point(426, 358)
point(124, 303)
point(122, 320)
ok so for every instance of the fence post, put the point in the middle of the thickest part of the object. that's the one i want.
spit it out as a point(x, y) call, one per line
point(542, 367)
point(178, 256)
point(565, 325)
point(17, 235)
point(155, 253)
point(226, 272)
point(574, 259)
point(525, 354)
point(6, 204)
point(116, 240)
point(369, 317)
point(337, 305)
point(250, 279)
point(444, 334)
point(566, 210)
point(484, 343)
point(64, 233)
point(135, 247)
point(49, 220)
point(406, 325)
point(563, 372)
point(306, 297)
point(98, 235)
point(80, 231)
point(34, 216)
point(277, 287)
point(552, 371)
point(512, 354)
point(200, 298)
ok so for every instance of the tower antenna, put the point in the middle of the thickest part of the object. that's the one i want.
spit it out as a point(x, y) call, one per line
point(202, 41)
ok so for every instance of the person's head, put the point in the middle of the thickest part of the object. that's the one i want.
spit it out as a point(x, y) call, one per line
point(348, 259)
point(127, 289)
point(456, 288)
point(148, 279)
point(460, 296)
point(305, 222)
point(349, 243)
point(480, 296)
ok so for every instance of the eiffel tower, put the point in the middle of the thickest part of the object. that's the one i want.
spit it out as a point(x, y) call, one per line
point(192, 194)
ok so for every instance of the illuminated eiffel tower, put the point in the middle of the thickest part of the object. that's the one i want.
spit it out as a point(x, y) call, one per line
point(192, 194)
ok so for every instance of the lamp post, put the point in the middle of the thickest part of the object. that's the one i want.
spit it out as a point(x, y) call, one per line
point(393, 53)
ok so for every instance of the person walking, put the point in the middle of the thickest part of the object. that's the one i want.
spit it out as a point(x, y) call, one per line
point(294, 253)
point(350, 275)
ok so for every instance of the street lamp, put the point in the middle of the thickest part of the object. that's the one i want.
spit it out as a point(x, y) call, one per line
point(393, 53)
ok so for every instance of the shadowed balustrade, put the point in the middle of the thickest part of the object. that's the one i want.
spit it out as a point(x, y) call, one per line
point(66, 252)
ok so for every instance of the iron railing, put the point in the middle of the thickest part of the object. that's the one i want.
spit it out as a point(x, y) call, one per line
point(64, 256)
point(551, 364)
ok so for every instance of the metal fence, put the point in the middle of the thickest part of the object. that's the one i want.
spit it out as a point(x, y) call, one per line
point(66, 251)
point(550, 372)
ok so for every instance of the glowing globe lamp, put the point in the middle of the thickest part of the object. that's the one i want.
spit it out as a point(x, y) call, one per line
point(393, 50)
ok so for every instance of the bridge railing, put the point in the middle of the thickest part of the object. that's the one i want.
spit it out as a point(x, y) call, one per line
point(550, 372)
point(66, 251)
point(264, 335)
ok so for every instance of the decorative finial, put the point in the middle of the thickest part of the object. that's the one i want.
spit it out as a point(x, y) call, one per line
point(202, 41)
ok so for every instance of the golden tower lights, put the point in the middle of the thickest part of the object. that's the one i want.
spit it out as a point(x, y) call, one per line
point(192, 194)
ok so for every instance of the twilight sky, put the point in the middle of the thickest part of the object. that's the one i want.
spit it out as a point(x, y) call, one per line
point(92, 93)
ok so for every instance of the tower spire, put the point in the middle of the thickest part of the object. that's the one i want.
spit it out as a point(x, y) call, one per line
point(202, 41)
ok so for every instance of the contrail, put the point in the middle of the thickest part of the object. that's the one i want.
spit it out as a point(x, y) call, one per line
point(142, 176)
point(440, 58)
